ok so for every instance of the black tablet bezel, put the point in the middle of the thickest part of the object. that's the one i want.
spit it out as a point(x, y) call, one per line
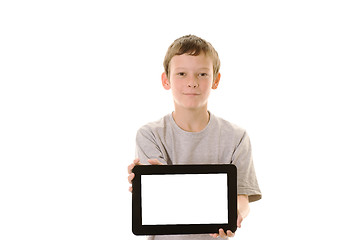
point(172, 229)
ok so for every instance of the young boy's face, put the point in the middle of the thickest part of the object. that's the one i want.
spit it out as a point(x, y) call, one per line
point(191, 80)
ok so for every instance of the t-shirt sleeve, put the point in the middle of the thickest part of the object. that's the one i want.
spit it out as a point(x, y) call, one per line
point(246, 178)
point(148, 146)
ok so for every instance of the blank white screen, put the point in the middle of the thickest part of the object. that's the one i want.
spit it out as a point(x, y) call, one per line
point(184, 199)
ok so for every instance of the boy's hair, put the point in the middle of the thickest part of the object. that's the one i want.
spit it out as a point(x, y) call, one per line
point(193, 46)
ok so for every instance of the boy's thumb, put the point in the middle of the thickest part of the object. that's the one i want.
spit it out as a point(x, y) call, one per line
point(154, 162)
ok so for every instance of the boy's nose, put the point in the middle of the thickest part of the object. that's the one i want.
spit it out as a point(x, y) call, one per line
point(193, 83)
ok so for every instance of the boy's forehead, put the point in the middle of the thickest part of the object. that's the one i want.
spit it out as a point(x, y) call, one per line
point(185, 60)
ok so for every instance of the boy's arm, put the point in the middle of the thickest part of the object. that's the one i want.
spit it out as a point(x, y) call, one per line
point(148, 151)
point(148, 146)
point(243, 208)
point(246, 177)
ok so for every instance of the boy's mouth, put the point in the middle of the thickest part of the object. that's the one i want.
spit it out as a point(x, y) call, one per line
point(191, 94)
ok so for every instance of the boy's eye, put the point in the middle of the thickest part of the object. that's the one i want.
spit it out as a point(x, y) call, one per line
point(203, 74)
point(181, 74)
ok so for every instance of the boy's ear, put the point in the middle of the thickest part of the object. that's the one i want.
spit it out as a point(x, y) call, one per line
point(216, 81)
point(165, 81)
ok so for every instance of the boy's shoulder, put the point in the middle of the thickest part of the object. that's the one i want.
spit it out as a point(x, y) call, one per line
point(227, 127)
point(155, 126)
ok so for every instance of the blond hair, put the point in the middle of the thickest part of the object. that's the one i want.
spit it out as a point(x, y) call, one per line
point(192, 45)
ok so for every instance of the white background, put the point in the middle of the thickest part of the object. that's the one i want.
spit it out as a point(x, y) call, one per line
point(184, 199)
point(78, 78)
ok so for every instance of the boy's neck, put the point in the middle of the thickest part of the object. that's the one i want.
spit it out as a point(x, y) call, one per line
point(191, 120)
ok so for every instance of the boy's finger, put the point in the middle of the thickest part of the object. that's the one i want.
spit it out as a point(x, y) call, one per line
point(230, 233)
point(132, 165)
point(131, 177)
point(154, 162)
point(222, 233)
point(130, 168)
point(130, 189)
point(137, 161)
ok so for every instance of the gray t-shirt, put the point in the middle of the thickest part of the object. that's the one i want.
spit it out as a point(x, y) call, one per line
point(220, 142)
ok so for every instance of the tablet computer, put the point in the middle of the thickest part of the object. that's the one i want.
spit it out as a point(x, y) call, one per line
point(184, 199)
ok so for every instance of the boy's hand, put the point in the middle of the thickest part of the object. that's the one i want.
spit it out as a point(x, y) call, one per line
point(228, 233)
point(137, 162)
point(222, 234)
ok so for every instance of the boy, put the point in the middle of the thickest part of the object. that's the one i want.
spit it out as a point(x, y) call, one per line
point(191, 134)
